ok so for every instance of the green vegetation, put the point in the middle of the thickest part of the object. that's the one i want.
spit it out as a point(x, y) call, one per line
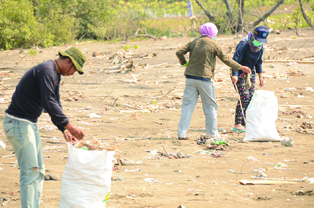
point(284, 21)
point(32, 52)
point(44, 23)
point(126, 47)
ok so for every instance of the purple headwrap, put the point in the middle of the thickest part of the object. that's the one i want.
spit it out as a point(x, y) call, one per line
point(249, 40)
point(209, 29)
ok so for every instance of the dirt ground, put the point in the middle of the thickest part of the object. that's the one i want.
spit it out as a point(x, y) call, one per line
point(139, 110)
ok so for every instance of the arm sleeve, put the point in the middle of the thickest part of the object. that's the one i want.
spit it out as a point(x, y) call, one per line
point(238, 56)
point(61, 128)
point(258, 65)
point(226, 59)
point(51, 100)
point(181, 52)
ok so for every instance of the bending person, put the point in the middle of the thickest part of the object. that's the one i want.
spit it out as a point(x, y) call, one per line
point(199, 75)
point(249, 52)
point(38, 90)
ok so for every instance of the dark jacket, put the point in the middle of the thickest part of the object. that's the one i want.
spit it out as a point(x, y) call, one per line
point(203, 51)
point(38, 90)
point(245, 57)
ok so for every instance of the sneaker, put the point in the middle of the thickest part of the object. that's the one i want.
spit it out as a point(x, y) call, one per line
point(180, 138)
point(238, 129)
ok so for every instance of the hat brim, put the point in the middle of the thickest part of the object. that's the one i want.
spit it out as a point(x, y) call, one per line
point(77, 66)
point(263, 40)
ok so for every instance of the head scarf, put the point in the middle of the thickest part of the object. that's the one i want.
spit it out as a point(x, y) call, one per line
point(249, 40)
point(209, 29)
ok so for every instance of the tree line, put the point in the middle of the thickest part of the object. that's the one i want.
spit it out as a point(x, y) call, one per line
point(44, 23)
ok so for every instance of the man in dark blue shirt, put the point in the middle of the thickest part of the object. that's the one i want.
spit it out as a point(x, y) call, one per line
point(38, 90)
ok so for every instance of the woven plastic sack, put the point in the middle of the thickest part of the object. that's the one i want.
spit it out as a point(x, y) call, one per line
point(261, 117)
point(86, 178)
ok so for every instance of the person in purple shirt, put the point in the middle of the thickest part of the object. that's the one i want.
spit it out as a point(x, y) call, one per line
point(249, 52)
point(38, 91)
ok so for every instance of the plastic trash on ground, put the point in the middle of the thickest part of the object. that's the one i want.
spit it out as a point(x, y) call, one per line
point(2, 145)
point(287, 141)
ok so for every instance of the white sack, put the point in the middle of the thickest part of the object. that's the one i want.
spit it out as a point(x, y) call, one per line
point(261, 117)
point(86, 178)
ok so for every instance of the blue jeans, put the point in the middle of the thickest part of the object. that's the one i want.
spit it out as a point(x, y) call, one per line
point(193, 89)
point(25, 139)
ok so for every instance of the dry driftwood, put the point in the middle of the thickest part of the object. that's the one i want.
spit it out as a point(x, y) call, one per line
point(144, 35)
point(264, 182)
point(56, 142)
point(287, 61)
point(165, 151)
point(128, 65)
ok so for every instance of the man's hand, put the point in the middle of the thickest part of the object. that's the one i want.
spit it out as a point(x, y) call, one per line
point(245, 69)
point(69, 138)
point(234, 79)
point(74, 131)
point(261, 81)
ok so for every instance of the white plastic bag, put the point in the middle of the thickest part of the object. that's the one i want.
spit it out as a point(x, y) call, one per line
point(261, 116)
point(86, 178)
point(2, 145)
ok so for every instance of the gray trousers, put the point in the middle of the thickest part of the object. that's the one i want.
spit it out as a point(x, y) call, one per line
point(194, 88)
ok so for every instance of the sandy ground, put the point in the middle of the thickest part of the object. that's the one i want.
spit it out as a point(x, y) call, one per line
point(139, 111)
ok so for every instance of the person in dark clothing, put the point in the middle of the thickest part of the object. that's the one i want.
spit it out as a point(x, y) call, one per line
point(249, 52)
point(38, 90)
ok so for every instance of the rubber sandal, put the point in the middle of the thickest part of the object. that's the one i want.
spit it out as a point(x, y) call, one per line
point(180, 138)
point(238, 130)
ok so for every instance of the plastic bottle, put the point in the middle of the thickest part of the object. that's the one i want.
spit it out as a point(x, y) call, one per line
point(219, 142)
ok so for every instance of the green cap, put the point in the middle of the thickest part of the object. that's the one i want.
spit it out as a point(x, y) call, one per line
point(77, 56)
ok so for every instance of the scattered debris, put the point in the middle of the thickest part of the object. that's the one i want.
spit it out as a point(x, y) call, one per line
point(282, 166)
point(303, 193)
point(135, 170)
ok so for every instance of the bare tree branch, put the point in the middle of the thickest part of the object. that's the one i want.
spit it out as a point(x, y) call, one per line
point(229, 12)
point(144, 35)
point(268, 13)
point(211, 18)
point(259, 15)
point(240, 18)
point(304, 14)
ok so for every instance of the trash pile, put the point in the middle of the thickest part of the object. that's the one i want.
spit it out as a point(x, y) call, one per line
point(94, 144)
point(296, 73)
point(280, 75)
point(212, 143)
point(307, 127)
point(156, 154)
point(215, 146)
point(175, 155)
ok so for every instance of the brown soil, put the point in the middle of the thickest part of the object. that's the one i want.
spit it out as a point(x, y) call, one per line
point(141, 109)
